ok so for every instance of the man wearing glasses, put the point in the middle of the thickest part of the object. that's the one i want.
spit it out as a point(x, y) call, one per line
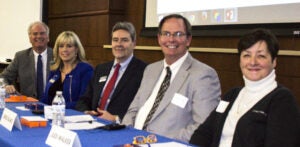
point(178, 92)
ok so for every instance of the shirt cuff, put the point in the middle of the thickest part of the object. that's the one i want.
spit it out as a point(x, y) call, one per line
point(117, 119)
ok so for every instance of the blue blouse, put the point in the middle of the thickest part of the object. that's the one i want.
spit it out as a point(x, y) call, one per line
point(74, 85)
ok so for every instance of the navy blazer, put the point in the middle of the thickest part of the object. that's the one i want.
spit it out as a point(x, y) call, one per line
point(273, 121)
point(74, 85)
point(123, 93)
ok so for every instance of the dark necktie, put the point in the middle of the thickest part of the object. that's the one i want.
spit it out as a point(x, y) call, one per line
point(109, 87)
point(39, 79)
point(163, 88)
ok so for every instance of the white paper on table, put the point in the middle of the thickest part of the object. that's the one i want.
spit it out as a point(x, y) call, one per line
point(78, 118)
point(34, 118)
point(22, 108)
point(83, 125)
point(166, 144)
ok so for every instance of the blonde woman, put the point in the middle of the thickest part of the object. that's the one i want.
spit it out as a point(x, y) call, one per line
point(70, 71)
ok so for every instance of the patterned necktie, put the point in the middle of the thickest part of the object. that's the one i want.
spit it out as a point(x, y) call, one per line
point(163, 88)
point(39, 79)
point(109, 87)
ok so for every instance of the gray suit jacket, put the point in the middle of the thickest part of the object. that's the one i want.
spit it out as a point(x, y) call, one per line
point(22, 69)
point(198, 82)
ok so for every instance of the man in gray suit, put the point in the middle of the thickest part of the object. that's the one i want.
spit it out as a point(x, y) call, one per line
point(23, 67)
point(193, 92)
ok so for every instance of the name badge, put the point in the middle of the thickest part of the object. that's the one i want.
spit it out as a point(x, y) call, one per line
point(102, 79)
point(51, 80)
point(9, 119)
point(179, 100)
point(62, 137)
point(222, 106)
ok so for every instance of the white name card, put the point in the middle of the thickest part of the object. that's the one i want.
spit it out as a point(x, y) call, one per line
point(222, 106)
point(9, 119)
point(62, 137)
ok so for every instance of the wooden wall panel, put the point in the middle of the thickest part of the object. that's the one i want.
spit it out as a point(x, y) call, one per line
point(63, 7)
point(87, 28)
point(149, 56)
point(93, 20)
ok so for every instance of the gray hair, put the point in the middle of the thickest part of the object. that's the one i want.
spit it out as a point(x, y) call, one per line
point(38, 23)
point(127, 26)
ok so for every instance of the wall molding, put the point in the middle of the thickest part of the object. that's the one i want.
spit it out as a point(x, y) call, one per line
point(211, 50)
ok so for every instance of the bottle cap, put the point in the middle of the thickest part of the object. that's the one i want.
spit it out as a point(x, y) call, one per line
point(58, 92)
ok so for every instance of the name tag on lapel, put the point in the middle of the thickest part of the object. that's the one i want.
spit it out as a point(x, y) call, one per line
point(51, 80)
point(179, 100)
point(222, 106)
point(102, 79)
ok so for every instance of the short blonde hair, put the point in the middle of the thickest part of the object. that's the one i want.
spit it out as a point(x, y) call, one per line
point(68, 37)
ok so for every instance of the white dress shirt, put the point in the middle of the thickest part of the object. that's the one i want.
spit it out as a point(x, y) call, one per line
point(123, 67)
point(145, 109)
point(44, 55)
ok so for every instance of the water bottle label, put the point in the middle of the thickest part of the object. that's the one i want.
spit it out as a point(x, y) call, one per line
point(58, 115)
point(2, 98)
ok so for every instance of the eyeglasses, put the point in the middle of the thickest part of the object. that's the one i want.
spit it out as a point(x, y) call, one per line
point(143, 140)
point(175, 35)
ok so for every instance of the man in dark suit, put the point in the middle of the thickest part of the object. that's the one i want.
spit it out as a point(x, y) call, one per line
point(23, 67)
point(113, 105)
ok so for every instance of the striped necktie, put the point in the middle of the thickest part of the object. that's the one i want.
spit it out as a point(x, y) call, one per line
point(163, 88)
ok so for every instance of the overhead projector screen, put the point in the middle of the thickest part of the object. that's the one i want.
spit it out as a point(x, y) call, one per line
point(16, 16)
point(220, 14)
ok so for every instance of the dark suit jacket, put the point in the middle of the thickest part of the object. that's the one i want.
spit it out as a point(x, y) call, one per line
point(123, 94)
point(22, 68)
point(273, 121)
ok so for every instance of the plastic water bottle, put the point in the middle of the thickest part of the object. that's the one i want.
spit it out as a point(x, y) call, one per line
point(2, 94)
point(58, 109)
